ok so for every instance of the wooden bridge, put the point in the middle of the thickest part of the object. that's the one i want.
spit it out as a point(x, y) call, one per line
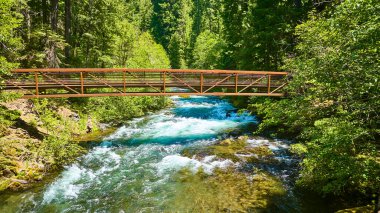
point(89, 82)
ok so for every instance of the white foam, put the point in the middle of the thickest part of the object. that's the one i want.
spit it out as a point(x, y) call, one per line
point(272, 145)
point(167, 124)
point(66, 186)
point(177, 162)
point(196, 105)
point(174, 127)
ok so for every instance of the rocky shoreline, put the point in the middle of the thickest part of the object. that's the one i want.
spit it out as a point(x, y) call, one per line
point(22, 163)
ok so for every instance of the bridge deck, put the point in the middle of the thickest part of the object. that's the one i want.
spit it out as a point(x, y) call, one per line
point(86, 82)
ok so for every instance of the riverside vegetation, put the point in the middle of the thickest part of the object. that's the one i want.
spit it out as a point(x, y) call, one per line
point(330, 48)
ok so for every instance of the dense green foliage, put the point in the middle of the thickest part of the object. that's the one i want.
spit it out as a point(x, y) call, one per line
point(56, 148)
point(117, 110)
point(7, 117)
point(337, 67)
point(208, 51)
point(9, 40)
point(171, 26)
point(335, 99)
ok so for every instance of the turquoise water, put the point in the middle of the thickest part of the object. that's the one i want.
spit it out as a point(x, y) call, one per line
point(132, 169)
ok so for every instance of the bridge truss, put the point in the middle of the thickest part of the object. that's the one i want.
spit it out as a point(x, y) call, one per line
point(97, 82)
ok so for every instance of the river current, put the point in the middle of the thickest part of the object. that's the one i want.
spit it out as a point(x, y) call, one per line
point(132, 169)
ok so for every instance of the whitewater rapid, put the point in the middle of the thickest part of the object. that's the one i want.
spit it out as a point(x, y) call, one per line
point(135, 168)
point(131, 170)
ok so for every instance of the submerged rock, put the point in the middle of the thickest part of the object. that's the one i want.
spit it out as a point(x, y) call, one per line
point(224, 191)
point(237, 150)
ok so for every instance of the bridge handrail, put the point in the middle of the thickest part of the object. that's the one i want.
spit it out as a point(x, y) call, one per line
point(76, 70)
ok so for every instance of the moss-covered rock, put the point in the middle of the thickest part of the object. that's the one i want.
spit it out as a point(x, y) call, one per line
point(224, 191)
point(4, 183)
point(94, 136)
point(363, 209)
point(236, 150)
point(227, 149)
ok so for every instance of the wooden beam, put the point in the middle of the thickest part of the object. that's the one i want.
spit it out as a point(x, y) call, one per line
point(36, 81)
point(148, 94)
point(124, 82)
point(81, 83)
point(201, 82)
point(236, 82)
point(76, 70)
point(164, 81)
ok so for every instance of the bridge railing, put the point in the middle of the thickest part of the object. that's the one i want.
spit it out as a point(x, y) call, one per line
point(89, 82)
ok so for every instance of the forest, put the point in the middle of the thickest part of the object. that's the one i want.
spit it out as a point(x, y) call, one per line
point(331, 49)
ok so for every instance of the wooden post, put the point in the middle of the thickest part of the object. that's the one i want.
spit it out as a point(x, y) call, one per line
point(36, 81)
point(269, 77)
point(202, 82)
point(124, 82)
point(164, 79)
point(236, 82)
point(81, 83)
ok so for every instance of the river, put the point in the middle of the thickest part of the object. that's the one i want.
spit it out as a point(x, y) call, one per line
point(135, 168)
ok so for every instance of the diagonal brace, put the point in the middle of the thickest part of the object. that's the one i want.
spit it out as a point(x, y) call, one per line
point(251, 84)
point(219, 82)
point(105, 83)
point(18, 86)
point(59, 82)
point(144, 82)
point(280, 87)
point(184, 83)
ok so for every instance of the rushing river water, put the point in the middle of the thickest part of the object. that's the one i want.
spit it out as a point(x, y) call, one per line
point(132, 170)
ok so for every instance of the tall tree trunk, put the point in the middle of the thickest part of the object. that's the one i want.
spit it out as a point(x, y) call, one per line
point(28, 22)
point(45, 12)
point(51, 52)
point(54, 15)
point(67, 28)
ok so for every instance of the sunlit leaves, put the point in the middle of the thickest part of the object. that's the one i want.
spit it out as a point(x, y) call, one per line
point(146, 53)
point(10, 42)
point(172, 26)
point(208, 51)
